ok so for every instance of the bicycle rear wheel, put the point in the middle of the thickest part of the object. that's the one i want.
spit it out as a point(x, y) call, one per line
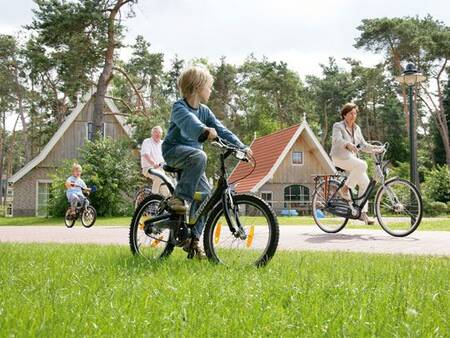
point(398, 206)
point(155, 243)
point(325, 220)
point(259, 233)
point(69, 219)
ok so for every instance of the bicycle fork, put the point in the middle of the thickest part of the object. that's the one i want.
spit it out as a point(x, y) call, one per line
point(235, 225)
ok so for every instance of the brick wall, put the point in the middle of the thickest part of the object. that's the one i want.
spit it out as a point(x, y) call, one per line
point(24, 203)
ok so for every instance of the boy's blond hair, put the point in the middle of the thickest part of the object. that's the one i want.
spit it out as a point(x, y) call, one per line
point(193, 79)
point(76, 166)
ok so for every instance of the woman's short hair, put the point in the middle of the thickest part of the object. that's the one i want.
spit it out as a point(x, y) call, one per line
point(193, 79)
point(76, 166)
point(347, 108)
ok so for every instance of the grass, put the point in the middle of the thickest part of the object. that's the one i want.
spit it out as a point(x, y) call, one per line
point(438, 223)
point(75, 290)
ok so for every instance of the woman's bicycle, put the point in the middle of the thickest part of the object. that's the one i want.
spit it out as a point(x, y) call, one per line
point(398, 203)
point(240, 228)
point(85, 211)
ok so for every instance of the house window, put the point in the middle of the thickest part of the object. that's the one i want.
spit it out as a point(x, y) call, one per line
point(9, 193)
point(297, 157)
point(267, 196)
point(9, 210)
point(90, 131)
point(296, 196)
point(43, 194)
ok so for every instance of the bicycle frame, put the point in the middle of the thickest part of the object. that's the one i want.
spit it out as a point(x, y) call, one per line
point(222, 192)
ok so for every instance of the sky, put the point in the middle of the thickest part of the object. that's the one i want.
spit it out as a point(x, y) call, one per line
point(302, 33)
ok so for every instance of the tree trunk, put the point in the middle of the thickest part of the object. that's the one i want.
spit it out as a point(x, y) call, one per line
point(21, 112)
point(325, 126)
point(106, 75)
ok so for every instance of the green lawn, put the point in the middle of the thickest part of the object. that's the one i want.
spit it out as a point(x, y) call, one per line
point(438, 223)
point(70, 290)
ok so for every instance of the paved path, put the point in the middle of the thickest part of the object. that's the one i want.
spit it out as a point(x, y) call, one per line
point(292, 238)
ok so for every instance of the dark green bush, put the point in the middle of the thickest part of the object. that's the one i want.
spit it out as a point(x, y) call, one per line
point(437, 184)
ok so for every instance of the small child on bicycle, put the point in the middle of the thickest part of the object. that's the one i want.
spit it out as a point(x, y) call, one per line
point(75, 186)
point(191, 124)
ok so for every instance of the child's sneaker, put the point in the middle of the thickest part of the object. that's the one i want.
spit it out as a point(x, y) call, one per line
point(176, 205)
point(192, 247)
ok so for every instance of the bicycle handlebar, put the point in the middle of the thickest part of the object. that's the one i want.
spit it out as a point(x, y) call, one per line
point(239, 153)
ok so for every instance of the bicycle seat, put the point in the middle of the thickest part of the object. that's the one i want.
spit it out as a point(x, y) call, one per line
point(340, 170)
point(170, 169)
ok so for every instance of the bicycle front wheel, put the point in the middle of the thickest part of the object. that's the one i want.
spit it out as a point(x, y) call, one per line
point(398, 206)
point(154, 243)
point(325, 220)
point(256, 240)
point(88, 216)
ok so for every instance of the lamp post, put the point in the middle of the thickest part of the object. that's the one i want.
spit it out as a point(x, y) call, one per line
point(411, 77)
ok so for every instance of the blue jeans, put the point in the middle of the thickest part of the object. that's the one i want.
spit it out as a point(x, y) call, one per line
point(193, 163)
point(75, 198)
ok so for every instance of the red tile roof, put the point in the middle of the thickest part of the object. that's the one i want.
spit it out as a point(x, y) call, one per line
point(266, 150)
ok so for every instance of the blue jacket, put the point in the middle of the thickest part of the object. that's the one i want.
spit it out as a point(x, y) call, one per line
point(187, 124)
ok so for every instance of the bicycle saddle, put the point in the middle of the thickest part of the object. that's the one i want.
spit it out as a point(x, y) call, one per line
point(170, 169)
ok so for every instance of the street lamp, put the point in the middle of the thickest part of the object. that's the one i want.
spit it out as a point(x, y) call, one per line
point(411, 77)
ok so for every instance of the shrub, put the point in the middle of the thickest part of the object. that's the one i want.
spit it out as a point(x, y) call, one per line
point(109, 165)
point(434, 208)
point(437, 184)
point(400, 170)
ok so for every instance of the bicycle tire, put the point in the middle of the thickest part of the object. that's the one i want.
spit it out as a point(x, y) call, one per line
point(255, 202)
point(89, 223)
point(69, 222)
point(315, 212)
point(134, 227)
point(380, 219)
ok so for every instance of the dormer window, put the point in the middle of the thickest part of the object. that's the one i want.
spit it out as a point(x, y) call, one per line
point(297, 157)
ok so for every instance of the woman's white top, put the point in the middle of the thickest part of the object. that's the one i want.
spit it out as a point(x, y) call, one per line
point(342, 136)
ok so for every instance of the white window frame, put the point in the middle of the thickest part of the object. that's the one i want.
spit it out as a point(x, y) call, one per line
point(267, 192)
point(9, 206)
point(37, 195)
point(303, 157)
point(9, 193)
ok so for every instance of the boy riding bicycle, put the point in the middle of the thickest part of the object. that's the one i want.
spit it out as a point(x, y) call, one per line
point(192, 123)
point(75, 186)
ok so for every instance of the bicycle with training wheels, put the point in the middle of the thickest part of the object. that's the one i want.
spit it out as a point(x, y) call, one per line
point(398, 204)
point(83, 211)
point(239, 229)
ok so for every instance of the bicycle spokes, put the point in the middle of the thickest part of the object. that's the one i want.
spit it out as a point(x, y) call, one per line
point(399, 207)
point(324, 195)
point(151, 241)
point(247, 240)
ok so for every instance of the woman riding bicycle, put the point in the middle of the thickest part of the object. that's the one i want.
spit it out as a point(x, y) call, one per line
point(346, 143)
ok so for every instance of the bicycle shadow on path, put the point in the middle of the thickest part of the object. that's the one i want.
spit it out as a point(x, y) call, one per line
point(336, 238)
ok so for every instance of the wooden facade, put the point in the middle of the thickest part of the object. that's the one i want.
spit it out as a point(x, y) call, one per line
point(287, 161)
point(28, 189)
point(292, 184)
